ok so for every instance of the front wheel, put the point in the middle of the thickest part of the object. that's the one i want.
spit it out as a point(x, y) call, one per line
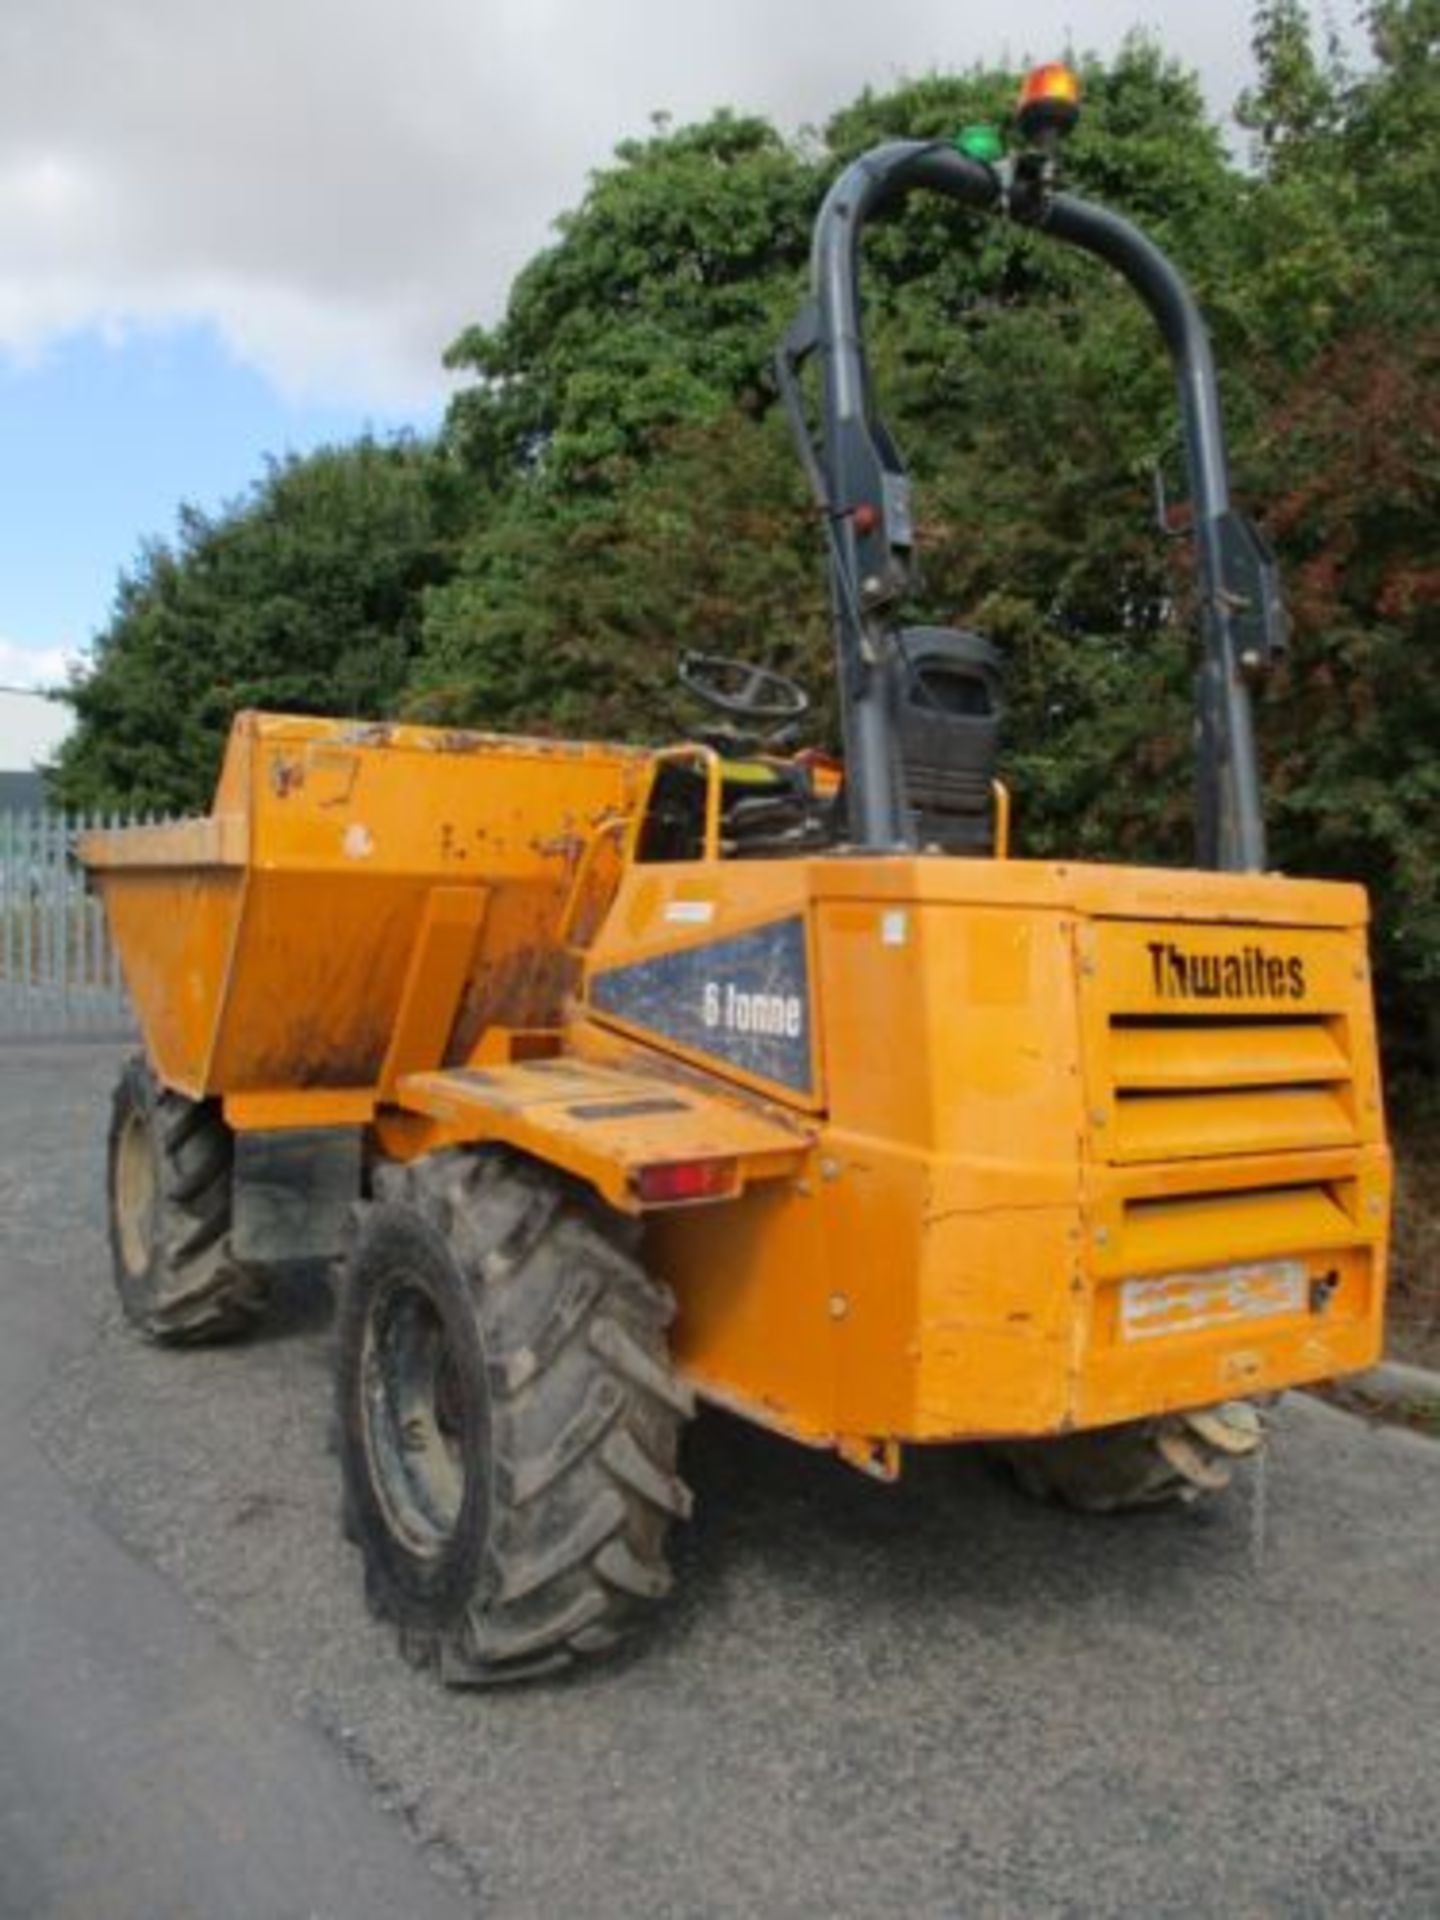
point(170, 1175)
point(509, 1423)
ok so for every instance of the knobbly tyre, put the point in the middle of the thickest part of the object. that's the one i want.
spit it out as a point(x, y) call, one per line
point(722, 1072)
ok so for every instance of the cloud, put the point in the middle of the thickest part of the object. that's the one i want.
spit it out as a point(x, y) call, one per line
point(338, 186)
point(34, 667)
point(31, 729)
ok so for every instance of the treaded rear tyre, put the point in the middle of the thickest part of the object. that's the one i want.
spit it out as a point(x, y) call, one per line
point(1180, 1457)
point(509, 1423)
point(169, 1170)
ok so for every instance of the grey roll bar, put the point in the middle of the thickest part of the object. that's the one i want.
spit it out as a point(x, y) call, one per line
point(860, 483)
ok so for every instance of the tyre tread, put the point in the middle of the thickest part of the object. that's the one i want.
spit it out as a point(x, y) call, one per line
point(585, 1415)
point(195, 1288)
point(1145, 1463)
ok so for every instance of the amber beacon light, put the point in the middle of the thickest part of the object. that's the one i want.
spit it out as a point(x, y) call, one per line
point(1049, 103)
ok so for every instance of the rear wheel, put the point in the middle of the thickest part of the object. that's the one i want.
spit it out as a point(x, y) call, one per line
point(1147, 1463)
point(170, 1170)
point(509, 1422)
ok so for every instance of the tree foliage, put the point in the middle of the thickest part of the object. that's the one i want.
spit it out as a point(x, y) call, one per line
point(654, 310)
point(613, 484)
point(306, 597)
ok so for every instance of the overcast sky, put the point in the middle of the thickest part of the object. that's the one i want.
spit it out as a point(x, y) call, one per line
point(338, 184)
point(231, 227)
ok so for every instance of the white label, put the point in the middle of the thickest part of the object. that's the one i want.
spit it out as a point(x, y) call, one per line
point(1220, 1296)
point(690, 913)
point(730, 1009)
point(894, 927)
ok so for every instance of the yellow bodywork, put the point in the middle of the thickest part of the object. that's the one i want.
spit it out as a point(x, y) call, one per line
point(268, 949)
point(1011, 1125)
point(1059, 1145)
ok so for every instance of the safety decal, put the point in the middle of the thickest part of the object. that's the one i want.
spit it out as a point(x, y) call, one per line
point(744, 1000)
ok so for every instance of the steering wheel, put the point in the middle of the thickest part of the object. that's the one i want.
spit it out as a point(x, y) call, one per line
point(735, 686)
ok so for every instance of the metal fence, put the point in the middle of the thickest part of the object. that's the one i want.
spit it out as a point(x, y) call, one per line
point(58, 971)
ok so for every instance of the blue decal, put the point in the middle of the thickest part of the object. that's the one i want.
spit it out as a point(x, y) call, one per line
point(744, 1000)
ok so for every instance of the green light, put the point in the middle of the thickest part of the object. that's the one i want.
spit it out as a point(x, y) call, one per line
point(980, 141)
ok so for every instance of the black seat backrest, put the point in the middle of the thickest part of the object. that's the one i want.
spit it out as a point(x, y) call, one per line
point(948, 706)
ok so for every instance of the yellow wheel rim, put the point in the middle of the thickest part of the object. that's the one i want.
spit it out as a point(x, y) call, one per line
point(135, 1193)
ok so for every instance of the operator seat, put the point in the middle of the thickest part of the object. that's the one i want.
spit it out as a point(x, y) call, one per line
point(947, 708)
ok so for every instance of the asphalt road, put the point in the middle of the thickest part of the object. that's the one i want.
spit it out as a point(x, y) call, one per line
point(935, 1699)
point(144, 1770)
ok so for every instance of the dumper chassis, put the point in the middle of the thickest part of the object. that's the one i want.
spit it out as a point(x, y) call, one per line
point(610, 1079)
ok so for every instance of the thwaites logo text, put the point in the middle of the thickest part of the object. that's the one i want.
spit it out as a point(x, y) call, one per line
point(1252, 973)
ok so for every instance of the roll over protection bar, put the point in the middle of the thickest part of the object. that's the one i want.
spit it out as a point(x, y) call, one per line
point(860, 483)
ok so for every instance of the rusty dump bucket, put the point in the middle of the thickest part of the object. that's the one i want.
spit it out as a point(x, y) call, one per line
point(267, 947)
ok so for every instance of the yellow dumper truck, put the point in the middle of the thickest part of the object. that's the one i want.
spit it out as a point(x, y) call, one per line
point(614, 1077)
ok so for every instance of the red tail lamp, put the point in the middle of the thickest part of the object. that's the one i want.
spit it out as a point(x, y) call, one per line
point(1049, 103)
point(669, 1182)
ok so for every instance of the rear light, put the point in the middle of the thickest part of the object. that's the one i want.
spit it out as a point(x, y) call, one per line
point(667, 1182)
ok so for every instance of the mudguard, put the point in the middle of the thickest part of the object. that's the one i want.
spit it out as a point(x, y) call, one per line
point(642, 1139)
